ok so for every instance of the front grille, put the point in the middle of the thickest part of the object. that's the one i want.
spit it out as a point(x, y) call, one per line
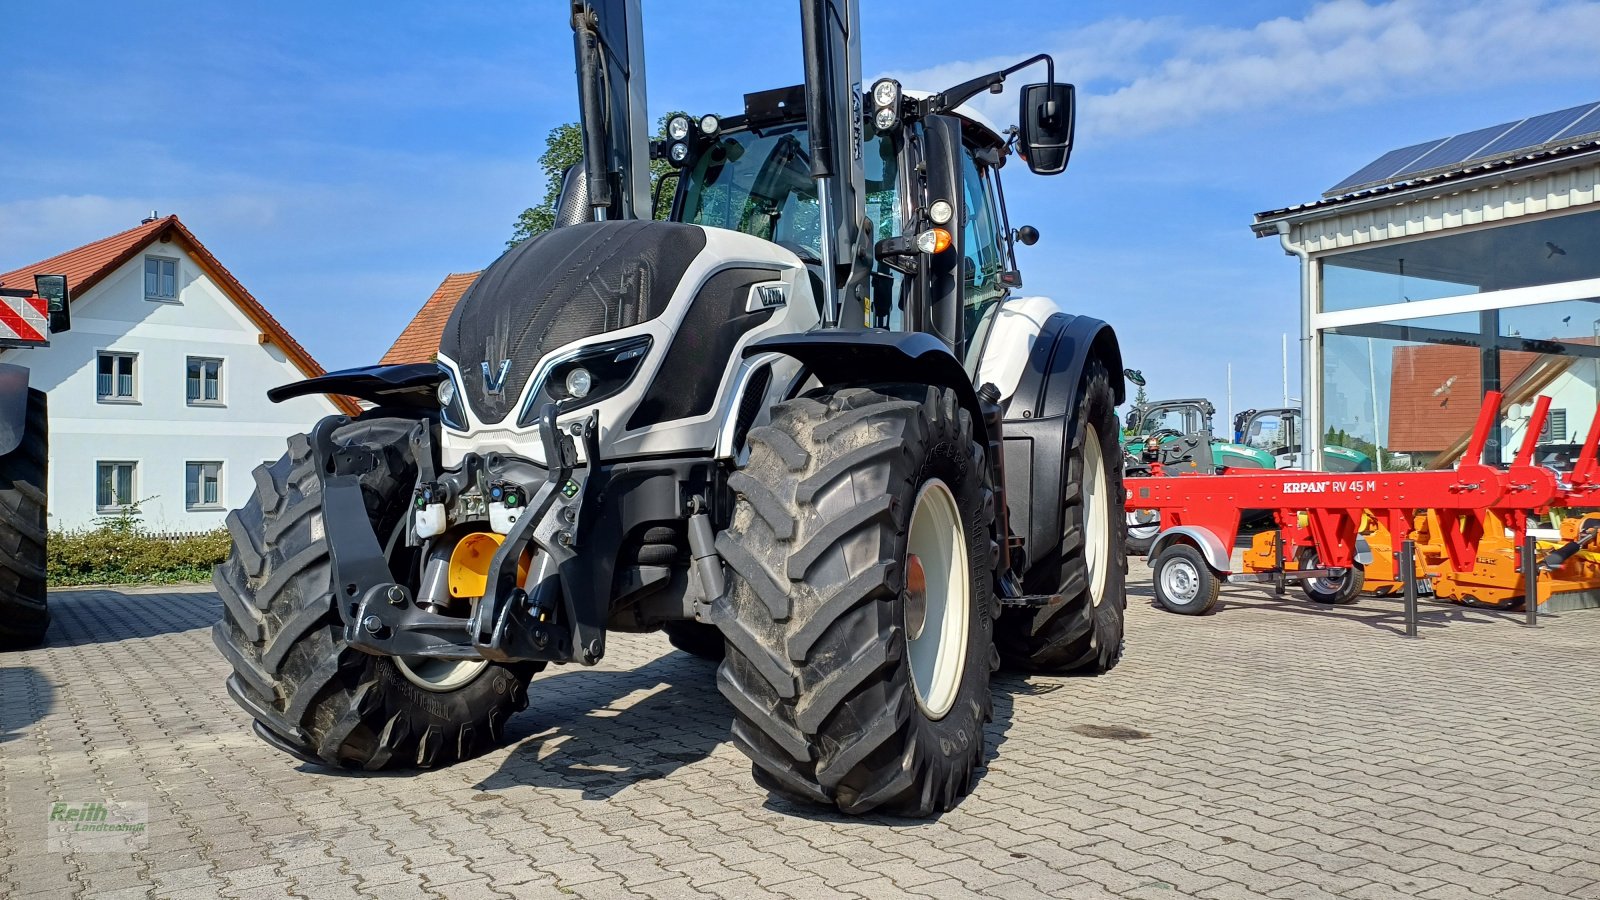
point(561, 286)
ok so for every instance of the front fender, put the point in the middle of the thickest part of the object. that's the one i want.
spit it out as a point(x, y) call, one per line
point(410, 385)
point(13, 406)
point(844, 358)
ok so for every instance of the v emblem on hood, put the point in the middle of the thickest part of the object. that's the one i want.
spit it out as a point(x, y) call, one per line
point(494, 383)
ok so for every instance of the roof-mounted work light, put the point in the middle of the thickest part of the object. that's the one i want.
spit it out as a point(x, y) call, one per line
point(886, 104)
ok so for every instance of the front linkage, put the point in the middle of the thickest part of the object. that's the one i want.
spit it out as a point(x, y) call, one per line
point(554, 618)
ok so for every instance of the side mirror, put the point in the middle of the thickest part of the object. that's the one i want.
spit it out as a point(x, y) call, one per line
point(53, 288)
point(1134, 375)
point(1028, 235)
point(1132, 421)
point(1045, 124)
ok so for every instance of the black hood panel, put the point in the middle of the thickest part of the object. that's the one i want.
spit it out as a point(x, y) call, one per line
point(561, 286)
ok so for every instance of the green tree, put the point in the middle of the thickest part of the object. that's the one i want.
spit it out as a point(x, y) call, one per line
point(563, 147)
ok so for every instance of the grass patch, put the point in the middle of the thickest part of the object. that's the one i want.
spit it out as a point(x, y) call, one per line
point(121, 551)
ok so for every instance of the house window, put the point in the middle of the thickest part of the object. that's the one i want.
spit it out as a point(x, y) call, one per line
point(160, 278)
point(205, 381)
point(114, 482)
point(203, 485)
point(115, 379)
point(1555, 428)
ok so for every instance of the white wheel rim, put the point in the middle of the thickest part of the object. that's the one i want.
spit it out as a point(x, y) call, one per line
point(1180, 580)
point(1329, 584)
point(439, 675)
point(937, 650)
point(1096, 514)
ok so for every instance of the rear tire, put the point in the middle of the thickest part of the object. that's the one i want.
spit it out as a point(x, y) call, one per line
point(24, 605)
point(1083, 632)
point(697, 639)
point(312, 695)
point(838, 695)
point(1341, 591)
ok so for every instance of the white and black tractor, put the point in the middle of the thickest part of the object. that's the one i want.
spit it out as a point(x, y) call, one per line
point(811, 427)
point(27, 319)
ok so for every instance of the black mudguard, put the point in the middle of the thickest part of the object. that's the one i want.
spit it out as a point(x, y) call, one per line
point(1039, 429)
point(410, 385)
point(846, 358)
point(13, 406)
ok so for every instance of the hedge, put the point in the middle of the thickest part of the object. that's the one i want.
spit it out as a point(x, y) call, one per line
point(122, 552)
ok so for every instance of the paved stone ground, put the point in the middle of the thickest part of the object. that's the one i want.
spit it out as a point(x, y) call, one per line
point(1270, 750)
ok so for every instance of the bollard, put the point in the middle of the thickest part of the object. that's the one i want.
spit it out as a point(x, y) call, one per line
point(1530, 580)
point(1408, 569)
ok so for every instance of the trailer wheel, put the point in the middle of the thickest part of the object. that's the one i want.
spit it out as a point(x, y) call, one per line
point(1083, 632)
point(696, 639)
point(1142, 535)
point(1184, 582)
point(1340, 591)
point(24, 608)
point(313, 696)
point(860, 619)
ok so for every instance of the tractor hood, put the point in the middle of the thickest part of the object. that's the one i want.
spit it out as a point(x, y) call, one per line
point(559, 287)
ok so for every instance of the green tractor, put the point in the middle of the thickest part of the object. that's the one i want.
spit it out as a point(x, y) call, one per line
point(1279, 432)
point(1177, 433)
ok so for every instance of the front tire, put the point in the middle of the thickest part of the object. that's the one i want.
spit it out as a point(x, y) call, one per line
point(24, 606)
point(1082, 632)
point(313, 696)
point(859, 677)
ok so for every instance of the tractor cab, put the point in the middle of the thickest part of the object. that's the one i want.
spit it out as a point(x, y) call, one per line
point(1280, 432)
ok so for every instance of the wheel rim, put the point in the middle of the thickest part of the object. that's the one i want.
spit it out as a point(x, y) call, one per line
point(1180, 580)
point(936, 618)
point(426, 672)
point(1325, 585)
point(1097, 514)
point(439, 675)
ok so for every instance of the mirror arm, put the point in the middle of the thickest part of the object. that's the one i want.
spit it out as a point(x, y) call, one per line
point(945, 101)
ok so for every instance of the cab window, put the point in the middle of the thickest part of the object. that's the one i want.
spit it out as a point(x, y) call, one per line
point(983, 252)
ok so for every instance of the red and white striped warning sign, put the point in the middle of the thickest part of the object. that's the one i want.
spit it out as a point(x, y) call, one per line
point(24, 319)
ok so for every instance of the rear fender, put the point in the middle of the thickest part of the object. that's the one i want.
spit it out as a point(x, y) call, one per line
point(1039, 431)
point(410, 385)
point(13, 406)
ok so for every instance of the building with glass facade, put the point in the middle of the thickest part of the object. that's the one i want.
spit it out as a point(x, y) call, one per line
point(1445, 270)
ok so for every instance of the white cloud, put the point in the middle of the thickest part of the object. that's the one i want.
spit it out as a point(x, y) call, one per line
point(1139, 76)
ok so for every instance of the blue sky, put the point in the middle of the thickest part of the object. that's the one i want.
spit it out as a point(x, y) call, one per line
point(342, 158)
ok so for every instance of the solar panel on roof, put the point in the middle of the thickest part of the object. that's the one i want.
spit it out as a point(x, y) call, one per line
point(1453, 152)
point(1534, 131)
point(1382, 168)
point(1456, 149)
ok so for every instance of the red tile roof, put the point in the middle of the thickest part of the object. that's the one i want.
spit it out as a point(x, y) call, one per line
point(85, 267)
point(1436, 390)
point(419, 342)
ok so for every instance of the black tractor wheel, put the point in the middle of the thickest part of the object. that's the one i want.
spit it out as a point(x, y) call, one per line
point(1339, 591)
point(860, 619)
point(313, 696)
point(24, 611)
point(697, 639)
point(1083, 631)
point(1184, 582)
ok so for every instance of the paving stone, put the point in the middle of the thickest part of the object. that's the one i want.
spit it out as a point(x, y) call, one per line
point(1320, 756)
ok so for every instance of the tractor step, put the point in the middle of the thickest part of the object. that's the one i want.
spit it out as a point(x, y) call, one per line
point(1030, 600)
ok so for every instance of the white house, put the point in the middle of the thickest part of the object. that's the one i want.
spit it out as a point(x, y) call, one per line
point(158, 393)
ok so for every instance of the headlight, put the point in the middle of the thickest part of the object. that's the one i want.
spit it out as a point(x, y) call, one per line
point(886, 93)
point(579, 382)
point(940, 212)
point(884, 119)
point(451, 410)
point(678, 153)
point(678, 128)
point(710, 125)
point(588, 376)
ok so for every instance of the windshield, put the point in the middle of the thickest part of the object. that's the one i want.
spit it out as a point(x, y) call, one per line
point(759, 182)
point(1272, 431)
point(1182, 419)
